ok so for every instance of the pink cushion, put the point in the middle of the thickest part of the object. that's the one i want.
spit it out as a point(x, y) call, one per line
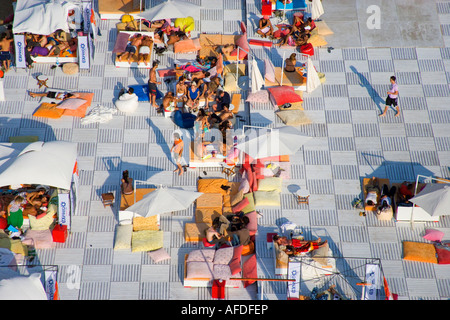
point(261, 96)
point(159, 255)
point(240, 206)
point(284, 94)
point(41, 215)
point(245, 185)
point(241, 42)
point(433, 235)
point(250, 270)
point(235, 263)
point(253, 224)
point(71, 103)
point(443, 253)
point(243, 27)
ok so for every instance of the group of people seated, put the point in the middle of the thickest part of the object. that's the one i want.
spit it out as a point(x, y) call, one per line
point(188, 93)
point(296, 34)
point(231, 229)
point(24, 204)
point(296, 247)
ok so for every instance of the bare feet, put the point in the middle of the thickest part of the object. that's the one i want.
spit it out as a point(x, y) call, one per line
point(382, 114)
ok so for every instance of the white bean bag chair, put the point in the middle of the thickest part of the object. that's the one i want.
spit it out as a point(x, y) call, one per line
point(128, 105)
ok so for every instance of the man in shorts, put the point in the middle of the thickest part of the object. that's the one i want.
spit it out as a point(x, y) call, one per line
point(152, 84)
point(392, 98)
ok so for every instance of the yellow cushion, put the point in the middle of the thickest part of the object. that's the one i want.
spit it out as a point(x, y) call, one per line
point(209, 200)
point(419, 251)
point(146, 240)
point(127, 18)
point(146, 223)
point(15, 246)
point(207, 215)
point(212, 186)
point(317, 40)
point(195, 231)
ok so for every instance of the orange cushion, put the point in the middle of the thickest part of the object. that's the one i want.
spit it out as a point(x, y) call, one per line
point(48, 110)
point(212, 186)
point(186, 46)
point(81, 110)
point(418, 251)
point(207, 215)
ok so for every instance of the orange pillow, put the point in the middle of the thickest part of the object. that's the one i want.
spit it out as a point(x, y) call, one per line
point(418, 251)
point(48, 110)
point(186, 46)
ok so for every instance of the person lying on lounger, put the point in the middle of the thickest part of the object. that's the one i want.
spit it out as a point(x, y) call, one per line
point(131, 48)
point(373, 190)
point(54, 95)
point(144, 50)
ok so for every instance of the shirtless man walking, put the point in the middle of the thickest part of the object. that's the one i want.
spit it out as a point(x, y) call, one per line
point(152, 84)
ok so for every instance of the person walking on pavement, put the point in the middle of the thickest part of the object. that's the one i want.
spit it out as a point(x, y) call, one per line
point(392, 98)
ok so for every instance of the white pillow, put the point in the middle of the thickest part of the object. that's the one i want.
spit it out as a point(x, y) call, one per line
point(71, 103)
point(159, 255)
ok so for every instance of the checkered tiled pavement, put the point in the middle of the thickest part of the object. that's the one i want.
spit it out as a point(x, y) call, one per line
point(350, 142)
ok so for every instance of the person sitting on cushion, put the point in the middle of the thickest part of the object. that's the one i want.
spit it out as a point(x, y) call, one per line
point(289, 64)
point(222, 98)
point(169, 101)
point(193, 96)
point(129, 94)
point(265, 27)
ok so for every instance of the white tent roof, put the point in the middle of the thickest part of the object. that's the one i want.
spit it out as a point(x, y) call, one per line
point(47, 163)
point(41, 16)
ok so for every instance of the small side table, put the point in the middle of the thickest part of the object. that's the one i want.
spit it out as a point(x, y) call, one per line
point(107, 199)
point(302, 196)
point(42, 81)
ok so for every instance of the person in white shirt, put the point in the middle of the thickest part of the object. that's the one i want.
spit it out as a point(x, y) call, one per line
point(127, 95)
point(392, 98)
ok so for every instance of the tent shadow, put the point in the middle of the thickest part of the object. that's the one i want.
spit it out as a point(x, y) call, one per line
point(13, 127)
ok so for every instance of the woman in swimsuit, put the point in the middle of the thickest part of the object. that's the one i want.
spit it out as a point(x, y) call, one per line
point(193, 96)
point(290, 63)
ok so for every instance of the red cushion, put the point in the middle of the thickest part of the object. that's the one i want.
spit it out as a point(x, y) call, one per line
point(240, 206)
point(284, 94)
point(307, 49)
point(250, 270)
point(3, 223)
point(235, 263)
point(207, 244)
point(443, 253)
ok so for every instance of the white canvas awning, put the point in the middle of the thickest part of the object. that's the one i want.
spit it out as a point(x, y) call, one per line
point(47, 163)
point(41, 16)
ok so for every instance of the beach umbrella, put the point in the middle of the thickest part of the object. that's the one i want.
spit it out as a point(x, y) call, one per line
point(312, 78)
point(163, 200)
point(257, 78)
point(434, 199)
point(273, 142)
point(171, 9)
point(316, 9)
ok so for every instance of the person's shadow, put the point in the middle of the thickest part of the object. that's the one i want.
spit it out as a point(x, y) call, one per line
point(364, 82)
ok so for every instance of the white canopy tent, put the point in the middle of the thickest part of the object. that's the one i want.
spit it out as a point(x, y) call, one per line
point(51, 164)
point(41, 16)
point(47, 163)
point(44, 17)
